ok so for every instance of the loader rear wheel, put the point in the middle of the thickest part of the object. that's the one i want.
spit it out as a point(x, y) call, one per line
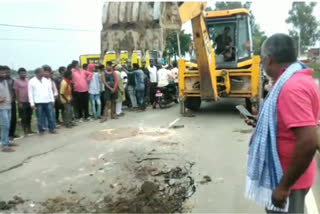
point(193, 103)
point(249, 105)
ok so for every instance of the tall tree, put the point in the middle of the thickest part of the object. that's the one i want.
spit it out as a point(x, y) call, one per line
point(172, 44)
point(257, 34)
point(208, 9)
point(222, 5)
point(305, 27)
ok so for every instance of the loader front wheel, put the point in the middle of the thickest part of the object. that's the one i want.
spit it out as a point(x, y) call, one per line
point(193, 103)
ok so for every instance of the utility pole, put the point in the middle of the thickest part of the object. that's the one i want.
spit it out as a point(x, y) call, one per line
point(178, 41)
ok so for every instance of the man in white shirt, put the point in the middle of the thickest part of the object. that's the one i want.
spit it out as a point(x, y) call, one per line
point(153, 72)
point(164, 76)
point(41, 99)
point(175, 74)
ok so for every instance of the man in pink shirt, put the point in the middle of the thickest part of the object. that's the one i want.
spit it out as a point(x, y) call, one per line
point(21, 89)
point(81, 79)
point(298, 111)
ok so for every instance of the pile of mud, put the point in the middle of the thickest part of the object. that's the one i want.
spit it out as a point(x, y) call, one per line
point(164, 191)
point(153, 181)
point(11, 204)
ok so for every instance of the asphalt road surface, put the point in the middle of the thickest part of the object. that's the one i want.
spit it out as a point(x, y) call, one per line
point(94, 162)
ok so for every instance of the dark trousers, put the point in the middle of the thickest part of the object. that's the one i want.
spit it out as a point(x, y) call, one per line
point(296, 201)
point(82, 103)
point(103, 101)
point(67, 118)
point(141, 99)
point(26, 115)
point(45, 115)
point(147, 93)
point(13, 121)
point(153, 91)
point(58, 107)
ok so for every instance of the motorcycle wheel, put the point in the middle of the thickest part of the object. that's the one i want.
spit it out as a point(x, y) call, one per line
point(161, 103)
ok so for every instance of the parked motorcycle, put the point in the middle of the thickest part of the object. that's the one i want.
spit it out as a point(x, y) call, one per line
point(166, 95)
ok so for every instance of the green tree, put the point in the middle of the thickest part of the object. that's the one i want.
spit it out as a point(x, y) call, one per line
point(172, 44)
point(257, 34)
point(221, 5)
point(305, 27)
point(258, 37)
point(208, 9)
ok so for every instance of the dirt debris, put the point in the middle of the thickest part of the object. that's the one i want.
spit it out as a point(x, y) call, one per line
point(153, 186)
point(166, 193)
point(163, 190)
point(11, 204)
point(64, 204)
point(243, 131)
point(177, 126)
point(206, 179)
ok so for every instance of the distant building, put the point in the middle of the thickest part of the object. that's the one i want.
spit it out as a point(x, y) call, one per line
point(314, 54)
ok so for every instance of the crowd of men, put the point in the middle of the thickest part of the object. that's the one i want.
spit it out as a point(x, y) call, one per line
point(64, 99)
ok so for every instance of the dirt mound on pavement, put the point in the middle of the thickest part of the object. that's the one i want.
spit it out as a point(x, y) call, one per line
point(164, 191)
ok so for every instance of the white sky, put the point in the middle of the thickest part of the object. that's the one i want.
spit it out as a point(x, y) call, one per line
point(32, 48)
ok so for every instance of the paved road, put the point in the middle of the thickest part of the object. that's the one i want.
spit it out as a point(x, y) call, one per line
point(93, 158)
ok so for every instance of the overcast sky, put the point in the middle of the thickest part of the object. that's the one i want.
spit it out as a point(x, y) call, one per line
point(31, 48)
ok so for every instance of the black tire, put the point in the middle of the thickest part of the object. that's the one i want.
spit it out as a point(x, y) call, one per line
point(193, 103)
point(161, 103)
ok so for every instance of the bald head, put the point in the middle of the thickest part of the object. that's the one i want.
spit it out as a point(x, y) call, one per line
point(281, 48)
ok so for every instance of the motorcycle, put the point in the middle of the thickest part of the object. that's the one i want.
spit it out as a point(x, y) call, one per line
point(166, 95)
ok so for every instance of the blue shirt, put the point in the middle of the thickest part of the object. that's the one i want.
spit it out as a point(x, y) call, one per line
point(139, 76)
point(95, 84)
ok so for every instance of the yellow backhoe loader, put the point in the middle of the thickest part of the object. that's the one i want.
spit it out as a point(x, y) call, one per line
point(224, 65)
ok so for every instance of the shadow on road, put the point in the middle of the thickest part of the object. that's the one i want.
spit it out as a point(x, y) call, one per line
point(223, 106)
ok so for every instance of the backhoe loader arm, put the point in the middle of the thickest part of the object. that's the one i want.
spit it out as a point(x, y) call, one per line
point(190, 10)
point(205, 54)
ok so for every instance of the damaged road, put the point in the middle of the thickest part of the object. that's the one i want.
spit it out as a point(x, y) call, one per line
point(148, 164)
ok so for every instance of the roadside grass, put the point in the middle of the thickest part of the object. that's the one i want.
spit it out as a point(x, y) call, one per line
point(315, 66)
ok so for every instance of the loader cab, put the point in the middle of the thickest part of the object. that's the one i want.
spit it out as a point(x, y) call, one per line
point(230, 36)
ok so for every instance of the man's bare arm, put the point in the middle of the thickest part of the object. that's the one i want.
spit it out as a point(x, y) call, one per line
point(306, 146)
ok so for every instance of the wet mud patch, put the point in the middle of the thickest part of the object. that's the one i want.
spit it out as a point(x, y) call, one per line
point(127, 132)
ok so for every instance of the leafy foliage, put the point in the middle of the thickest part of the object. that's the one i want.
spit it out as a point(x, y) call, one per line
point(304, 25)
point(172, 44)
point(208, 9)
point(232, 5)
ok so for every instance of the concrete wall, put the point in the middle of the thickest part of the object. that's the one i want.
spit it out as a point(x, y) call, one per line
point(138, 25)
